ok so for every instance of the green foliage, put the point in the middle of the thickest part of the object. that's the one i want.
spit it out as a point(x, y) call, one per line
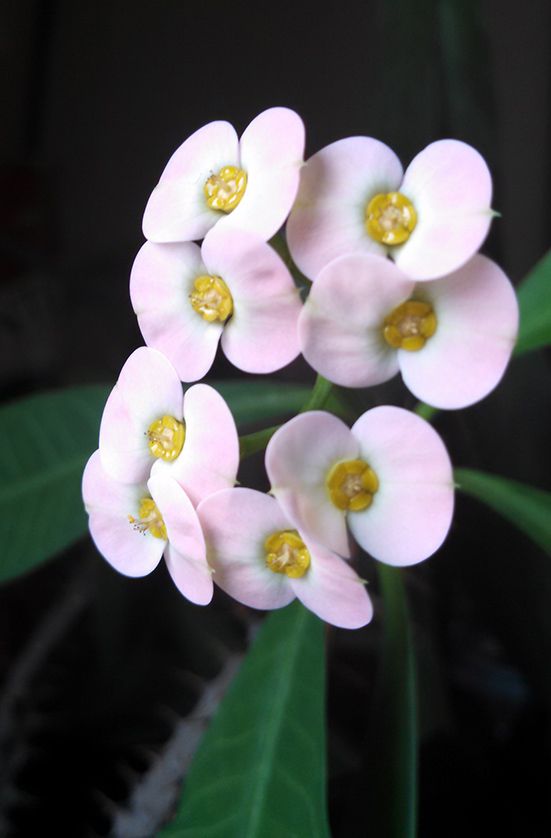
point(45, 441)
point(527, 508)
point(393, 740)
point(260, 770)
point(534, 297)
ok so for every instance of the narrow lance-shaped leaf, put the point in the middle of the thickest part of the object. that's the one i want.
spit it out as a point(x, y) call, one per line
point(260, 770)
point(45, 440)
point(526, 507)
point(534, 297)
point(393, 739)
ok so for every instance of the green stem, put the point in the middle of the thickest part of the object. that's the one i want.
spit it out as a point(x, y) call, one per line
point(396, 713)
point(258, 440)
point(319, 395)
point(425, 411)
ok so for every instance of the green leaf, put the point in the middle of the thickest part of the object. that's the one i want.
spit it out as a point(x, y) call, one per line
point(45, 441)
point(527, 508)
point(260, 769)
point(393, 741)
point(534, 297)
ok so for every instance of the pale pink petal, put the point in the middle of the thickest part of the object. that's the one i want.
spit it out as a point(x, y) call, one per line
point(236, 523)
point(186, 556)
point(210, 456)
point(148, 387)
point(177, 210)
point(450, 187)
point(298, 458)
point(477, 313)
point(333, 590)
point(336, 183)
point(273, 140)
point(412, 511)
point(109, 503)
point(160, 284)
point(340, 328)
point(192, 580)
point(271, 151)
point(261, 335)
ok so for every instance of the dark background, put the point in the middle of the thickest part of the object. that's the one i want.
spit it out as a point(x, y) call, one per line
point(96, 96)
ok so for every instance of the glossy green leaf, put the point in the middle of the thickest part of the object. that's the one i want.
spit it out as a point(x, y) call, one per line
point(393, 740)
point(534, 297)
point(527, 508)
point(260, 769)
point(45, 441)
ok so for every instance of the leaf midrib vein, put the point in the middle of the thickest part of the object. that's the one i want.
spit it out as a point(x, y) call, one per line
point(267, 744)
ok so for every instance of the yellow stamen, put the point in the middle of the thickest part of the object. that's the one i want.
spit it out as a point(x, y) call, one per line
point(149, 519)
point(351, 485)
point(225, 190)
point(166, 438)
point(410, 325)
point(390, 218)
point(211, 298)
point(287, 553)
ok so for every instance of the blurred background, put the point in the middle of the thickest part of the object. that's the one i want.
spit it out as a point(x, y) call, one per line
point(99, 673)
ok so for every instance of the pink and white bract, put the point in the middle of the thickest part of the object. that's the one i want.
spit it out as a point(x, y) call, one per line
point(448, 184)
point(148, 389)
point(475, 308)
point(252, 308)
point(237, 524)
point(266, 162)
point(390, 459)
point(130, 539)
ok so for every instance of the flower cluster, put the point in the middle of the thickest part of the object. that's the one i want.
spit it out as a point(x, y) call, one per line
point(396, 285)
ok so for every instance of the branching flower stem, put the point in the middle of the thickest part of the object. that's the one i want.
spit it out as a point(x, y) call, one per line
point(252, 443)
point(321, 391)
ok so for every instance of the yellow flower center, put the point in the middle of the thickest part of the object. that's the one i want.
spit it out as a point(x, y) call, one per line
point(165, 437)
point(211, 298)
point(390, 218)
point(287, 553)
point(410, 325)
point(225, 190)
point(149, 519)
point(351, 485)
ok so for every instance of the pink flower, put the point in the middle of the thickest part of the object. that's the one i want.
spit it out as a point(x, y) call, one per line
point(234, 289)
point(148, 419)
point(388, 479)
point(354, 198)
point(261, 560)
point(450, 338)
point(133, 524)
point(215, 178)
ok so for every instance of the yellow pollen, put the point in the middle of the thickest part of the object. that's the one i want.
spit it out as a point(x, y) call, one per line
point(390, 218)
point(351, 485)
point(166, 437)
point(225, 190)
point(410, 325)
point(287, 553)
point(211, 298)
point(149, 519)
